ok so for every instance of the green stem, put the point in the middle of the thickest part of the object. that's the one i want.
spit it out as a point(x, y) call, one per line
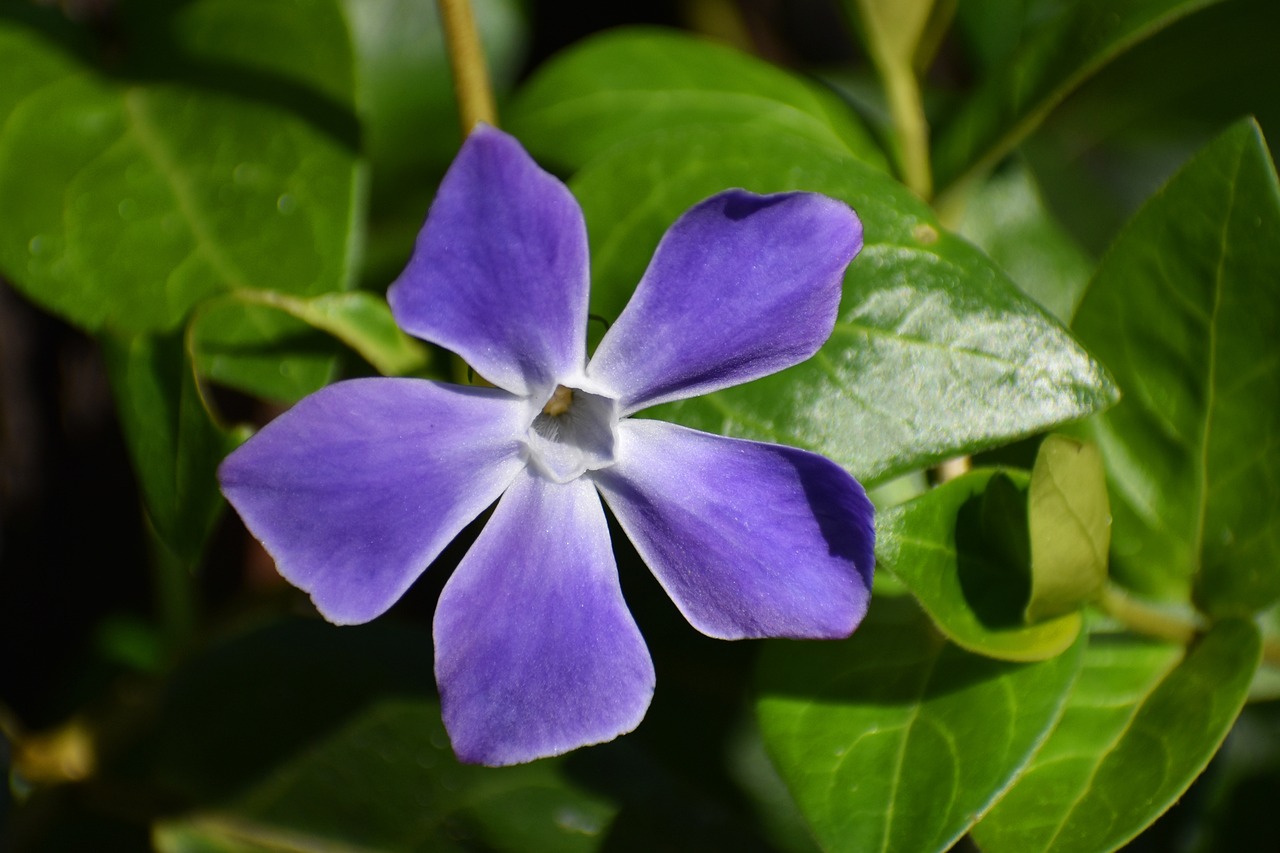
point(466, 58)
point(907, 110)
point(173, 584)
point(1144, 618)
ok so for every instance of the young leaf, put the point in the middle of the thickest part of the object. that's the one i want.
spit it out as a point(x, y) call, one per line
point(986, 365)
point(1053, 61)
point(1185, 309)
point(940, 546)
point(897, 740)
point(174, 444)
point(1141, 723)
point(167, 193)
point(628, 83)
point(1070, 527)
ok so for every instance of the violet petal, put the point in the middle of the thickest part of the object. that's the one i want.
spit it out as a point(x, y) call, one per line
point(499, 273)
point(358, 487)
point(536, 652)
point(748, 539)
point(741, 286)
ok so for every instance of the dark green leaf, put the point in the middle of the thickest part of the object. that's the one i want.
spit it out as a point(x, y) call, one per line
point(986, 365)
point(333, 742)
point(165, 193)
point(1141, 723)
point(1185, 309)
point(1053, 60)
point(174, 444)
point(897, 740)
point(940, 545)
point(628, 83)
point(1070, 523)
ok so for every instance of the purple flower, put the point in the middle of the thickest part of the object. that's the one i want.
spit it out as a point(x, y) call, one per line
point(360, 486)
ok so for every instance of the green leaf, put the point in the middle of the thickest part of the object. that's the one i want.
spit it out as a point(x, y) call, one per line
point(1005, 217)
point(1070, 527)
point(1141, 723)
point(1184, 310)
point(897, 740)
point(1052, 62)
point(628, 83)
point(265, 342)
point(128, 203)
point(941, 546)
point(986, 365)
point(174, 444)
point(333, 742)
point(261, 350)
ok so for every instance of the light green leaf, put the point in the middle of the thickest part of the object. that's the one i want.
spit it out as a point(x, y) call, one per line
point(986, 365)
point(1141, 723)
point(941, 546)
point(1052, 62)
point(1005, 217)
point(628, 83)
point(1185, 309)
point(1070, 527)
point(897, 740)
point(174, 444)
point(165, 194)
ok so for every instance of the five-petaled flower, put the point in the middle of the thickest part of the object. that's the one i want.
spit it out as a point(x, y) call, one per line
point(358, 488)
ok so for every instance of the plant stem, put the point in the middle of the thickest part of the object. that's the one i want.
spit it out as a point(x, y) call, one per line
point(466, 58)
point(1144, 618)
point(907, 110)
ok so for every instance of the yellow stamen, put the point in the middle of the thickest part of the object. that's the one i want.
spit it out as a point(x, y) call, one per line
point(559, 403)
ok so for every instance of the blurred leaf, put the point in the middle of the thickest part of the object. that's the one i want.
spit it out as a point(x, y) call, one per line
point(897, 740)
point(940, 547)
point(174, 445)
point(1052, 62)
point(334, 742)
point(1070, 527)
point(986, 365)
point(168, 192)
point(1141, 723)
point(1005, 217)
point(628, 83)
point(1185, 309)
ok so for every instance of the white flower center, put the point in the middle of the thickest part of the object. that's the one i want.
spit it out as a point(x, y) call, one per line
point(574, 432)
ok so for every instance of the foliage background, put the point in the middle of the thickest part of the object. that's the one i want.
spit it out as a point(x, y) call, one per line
point(161, 688)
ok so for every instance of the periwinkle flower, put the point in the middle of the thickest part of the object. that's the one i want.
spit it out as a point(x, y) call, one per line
point(358, 488)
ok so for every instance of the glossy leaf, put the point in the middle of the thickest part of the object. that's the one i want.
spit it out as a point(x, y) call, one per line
point(986, 365)
point(174, 444)
point(1185, 309)
point(1141, 723)
point(897, 740)
point(166, 193)
point(1070, 523)
point(940, 546)
point(1052, 62)
point(629, 83)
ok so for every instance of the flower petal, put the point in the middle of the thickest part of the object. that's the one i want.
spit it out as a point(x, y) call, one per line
point(357, 488)
point(748, 539)
point(499, 273)
point(741, 286)
point(536, 653)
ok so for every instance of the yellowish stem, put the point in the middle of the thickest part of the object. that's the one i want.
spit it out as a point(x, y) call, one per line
point(907, 110)
point(466, 58)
